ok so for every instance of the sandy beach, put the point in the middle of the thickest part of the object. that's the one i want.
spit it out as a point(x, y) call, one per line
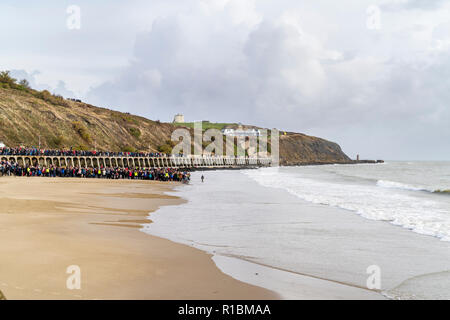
point(47, 225)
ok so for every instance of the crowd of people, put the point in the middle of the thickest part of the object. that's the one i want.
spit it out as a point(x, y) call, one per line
point(8, 168)
point(19, 151)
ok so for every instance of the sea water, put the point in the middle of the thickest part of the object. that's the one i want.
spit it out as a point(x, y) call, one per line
point(328, 223)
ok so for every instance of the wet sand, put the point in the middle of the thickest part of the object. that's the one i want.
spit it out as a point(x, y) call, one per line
point(47, 225)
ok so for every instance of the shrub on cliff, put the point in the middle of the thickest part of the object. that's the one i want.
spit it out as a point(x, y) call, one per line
point(25, 84)
point(57, 141)
point(6, 78)
point(81, 130)
point(135, 132)
point(51, 98)
point(81, 147)
point(128, 149)
point(166, 147)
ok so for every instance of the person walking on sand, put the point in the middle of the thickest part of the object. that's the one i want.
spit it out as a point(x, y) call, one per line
point(203, 178)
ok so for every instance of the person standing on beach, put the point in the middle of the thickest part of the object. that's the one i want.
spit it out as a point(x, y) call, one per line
point(203, 178)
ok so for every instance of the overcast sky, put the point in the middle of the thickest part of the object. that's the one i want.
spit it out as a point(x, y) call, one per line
point(373, 76)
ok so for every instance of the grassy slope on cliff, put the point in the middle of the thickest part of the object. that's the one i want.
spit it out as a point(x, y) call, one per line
point(26, 115)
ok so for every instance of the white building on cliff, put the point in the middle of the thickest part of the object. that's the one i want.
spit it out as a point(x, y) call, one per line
point(241, 132)
point(179, 118)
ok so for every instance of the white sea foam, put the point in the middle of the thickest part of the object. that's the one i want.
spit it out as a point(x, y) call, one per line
point(399, 185)
point(425, 214)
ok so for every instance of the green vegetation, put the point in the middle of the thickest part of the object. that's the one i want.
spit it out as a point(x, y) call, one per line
point(123, 117)
point(166, 147)
point(57, 141)
point(81, 147)
point(206, 125)
point(128, 149)
point(56, 100)
point(82, 131)
point(135, 132)
point(2, 297)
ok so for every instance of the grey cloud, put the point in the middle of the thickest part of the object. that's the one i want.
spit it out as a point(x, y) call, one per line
point(424, 4)
point(442, 31)
point(413, 4)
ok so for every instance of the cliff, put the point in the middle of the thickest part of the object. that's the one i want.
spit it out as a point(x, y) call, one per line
point(28, 117)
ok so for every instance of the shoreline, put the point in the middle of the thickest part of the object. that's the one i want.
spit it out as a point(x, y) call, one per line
point(48, 224)
point(307, 287)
